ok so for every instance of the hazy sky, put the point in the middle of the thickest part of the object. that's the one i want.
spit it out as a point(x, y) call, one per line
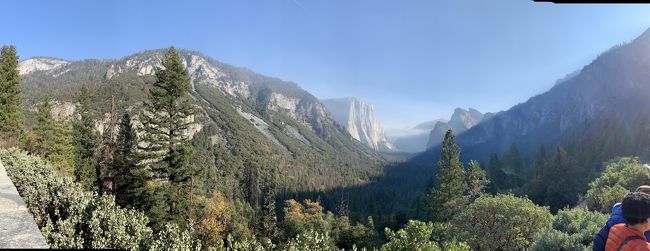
point(413, 60)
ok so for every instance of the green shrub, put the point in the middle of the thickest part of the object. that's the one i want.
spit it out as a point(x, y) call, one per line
point(502, 222)
point(172, 237)
point(417, 235)
point(311, 240)
point(572, 229)
point(70, 217)
point(619, 178)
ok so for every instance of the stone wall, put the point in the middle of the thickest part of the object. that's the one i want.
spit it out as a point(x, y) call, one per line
point(17, 226)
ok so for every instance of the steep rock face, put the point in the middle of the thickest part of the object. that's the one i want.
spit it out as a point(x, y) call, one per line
point(459, 122)
point(40, 64)
point(359, 119)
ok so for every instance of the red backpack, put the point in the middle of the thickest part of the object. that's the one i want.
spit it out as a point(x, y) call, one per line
point(623, 238)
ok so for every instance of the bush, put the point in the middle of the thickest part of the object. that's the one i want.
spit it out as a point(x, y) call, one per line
point(417, 235)
point(502, 222)
point(242, 245)
point(172, 237)
point(311, 240)
point(619, 178)
point(572, 229)
point(70, 217)
point(214, 219)
point(553, 239)
point(302, 218)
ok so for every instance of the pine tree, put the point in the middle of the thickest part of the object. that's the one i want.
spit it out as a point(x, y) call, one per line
point(495, 174)
point(61, 152)
point(43, 130)
point(447, 194)
point(514, 168)
point(84, 140)
point(537, 185)
point(104, 156)
point(12, 121)
point(476, 180)
point(130, 179)
point(166, 117)
point(270, 219)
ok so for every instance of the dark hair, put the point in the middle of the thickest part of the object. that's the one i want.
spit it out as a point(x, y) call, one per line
point(634, 221)
point(636, 208)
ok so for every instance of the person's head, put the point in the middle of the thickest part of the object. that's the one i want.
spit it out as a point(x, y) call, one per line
point(644, 189)
point(636, 209)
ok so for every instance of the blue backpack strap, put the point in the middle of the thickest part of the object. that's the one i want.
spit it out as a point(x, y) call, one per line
point(628, 239)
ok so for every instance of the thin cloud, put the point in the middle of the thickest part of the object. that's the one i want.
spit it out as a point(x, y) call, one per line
point(302, 7)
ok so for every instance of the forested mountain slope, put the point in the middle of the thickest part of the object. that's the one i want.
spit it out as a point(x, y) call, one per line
point(255, 132)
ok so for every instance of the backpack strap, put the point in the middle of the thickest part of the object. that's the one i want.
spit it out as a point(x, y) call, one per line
point(628, 239)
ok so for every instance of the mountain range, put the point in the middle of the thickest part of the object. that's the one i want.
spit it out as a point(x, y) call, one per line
point(251, 122)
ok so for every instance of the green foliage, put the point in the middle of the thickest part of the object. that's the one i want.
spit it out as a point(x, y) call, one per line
point(417, 235)
point(446, 196)
point(476, 181)
point(300, 219)
point(172, 237)
point(242, 221)
point(553, 239)
point(61, 152)
point(243, 245)
point(556, 180)
point(68, 216)
point(43, 135)
point(130, 179)
point(455, 187)
point(619, 178)
point(85, 142)
point(311, 240)
point(513, 167)
point(502, 222)
point(166, 117)
point(572, 229)
point(12, 120)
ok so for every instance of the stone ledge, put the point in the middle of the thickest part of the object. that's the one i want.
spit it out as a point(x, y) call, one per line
point(17, 226)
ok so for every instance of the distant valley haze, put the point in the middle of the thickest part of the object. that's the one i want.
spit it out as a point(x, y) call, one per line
point(414, 61)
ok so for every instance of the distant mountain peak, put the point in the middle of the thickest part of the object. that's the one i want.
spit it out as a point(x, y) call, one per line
point(35, 64)
point(459, 122)
point(359, 120)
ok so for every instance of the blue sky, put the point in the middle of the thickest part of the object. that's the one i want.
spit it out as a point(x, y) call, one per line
point(413, 60)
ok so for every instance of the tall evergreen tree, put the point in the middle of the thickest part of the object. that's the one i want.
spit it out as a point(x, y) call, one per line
point(130, 179)
point(166, 117)
point(495, 174)
point(85, 142)
point(104, 156)
point(43, 135)
point(477, 180)
point(61, 152)
point(513, 166)
point(537, 186)
point(12, 121)
point(446, 195)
